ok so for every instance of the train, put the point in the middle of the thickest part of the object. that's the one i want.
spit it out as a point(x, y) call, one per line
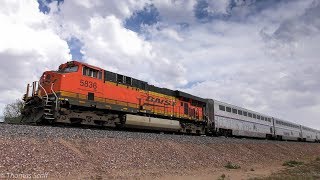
point(82, 94)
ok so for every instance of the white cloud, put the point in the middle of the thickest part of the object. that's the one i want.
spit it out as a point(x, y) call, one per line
point(108, 44)
point(28, 46)
point(76, 15)
point(218, 6)
point(170, 33)
point(172, 11)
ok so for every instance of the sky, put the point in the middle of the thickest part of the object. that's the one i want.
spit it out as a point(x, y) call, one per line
point(258, 54)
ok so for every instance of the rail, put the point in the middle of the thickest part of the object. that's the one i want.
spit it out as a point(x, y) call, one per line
point(56, 100)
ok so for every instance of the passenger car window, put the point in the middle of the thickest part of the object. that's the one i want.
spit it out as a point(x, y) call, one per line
point(254, 116)
point(228, 109)
point(244, 113)
point(234, 111)
point(222, 108)
point(240, 112)
point(250, 114)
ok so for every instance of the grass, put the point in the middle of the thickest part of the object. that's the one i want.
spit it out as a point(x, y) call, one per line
point(292, 163)
point(309, 170)
point(229, 165)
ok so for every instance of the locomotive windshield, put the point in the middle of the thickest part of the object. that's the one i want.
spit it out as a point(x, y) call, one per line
point(69, 69)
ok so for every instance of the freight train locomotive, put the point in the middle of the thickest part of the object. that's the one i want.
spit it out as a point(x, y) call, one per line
point(79, 93)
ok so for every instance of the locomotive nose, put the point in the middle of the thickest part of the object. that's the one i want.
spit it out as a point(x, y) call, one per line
point(47, 77)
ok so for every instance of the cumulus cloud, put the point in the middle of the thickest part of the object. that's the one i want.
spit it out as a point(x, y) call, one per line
point(173, 11)
point(75, 16)
point(124, 51)
point(28, 46)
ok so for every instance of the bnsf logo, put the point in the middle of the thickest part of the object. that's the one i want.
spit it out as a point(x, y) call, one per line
point(160, 101)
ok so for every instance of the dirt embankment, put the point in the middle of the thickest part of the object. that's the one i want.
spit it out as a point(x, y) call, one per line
point(83, 153)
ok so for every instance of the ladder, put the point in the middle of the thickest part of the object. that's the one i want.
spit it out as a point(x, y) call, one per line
point(49, 109)
point(51, 106)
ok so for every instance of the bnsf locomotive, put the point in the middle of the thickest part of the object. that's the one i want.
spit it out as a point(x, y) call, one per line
point(78, 93)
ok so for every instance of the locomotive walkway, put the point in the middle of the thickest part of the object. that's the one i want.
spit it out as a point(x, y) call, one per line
point(93, 153)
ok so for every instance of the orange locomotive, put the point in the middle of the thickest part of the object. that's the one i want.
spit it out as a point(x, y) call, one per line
point(79, 93)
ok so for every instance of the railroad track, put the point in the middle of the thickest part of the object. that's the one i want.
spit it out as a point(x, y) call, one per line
point(87, 132)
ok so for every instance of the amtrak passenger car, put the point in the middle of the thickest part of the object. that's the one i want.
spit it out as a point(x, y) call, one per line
point(234, 120)
point(309, 134)
point(285, 130)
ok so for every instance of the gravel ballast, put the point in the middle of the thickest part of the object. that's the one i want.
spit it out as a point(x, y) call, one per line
point(96, 153)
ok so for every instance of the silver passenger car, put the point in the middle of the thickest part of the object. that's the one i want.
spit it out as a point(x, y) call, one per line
point(285, 130)
point(234, 120)
point(309, 134)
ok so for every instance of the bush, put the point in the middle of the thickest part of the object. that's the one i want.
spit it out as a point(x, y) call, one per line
point(229, 165)
point(292, 163)
point(12, 112)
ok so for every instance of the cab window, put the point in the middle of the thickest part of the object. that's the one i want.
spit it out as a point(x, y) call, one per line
point(69, 69)
point(86, 71)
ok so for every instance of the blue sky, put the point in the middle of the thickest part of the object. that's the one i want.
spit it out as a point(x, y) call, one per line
point(263, 55)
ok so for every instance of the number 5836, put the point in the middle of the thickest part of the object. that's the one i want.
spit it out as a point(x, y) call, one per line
point(88, 84)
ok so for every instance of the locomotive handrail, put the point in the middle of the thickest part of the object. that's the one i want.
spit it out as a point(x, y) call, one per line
point(54, 95)
point(44, 92)
point(27, 93)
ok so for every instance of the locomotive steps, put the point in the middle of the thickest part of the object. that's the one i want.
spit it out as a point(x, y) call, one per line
point(87, 153)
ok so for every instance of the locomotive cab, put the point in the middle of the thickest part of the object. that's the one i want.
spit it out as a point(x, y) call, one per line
point(72, 77)
point(71, 82)
point(51, 82)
